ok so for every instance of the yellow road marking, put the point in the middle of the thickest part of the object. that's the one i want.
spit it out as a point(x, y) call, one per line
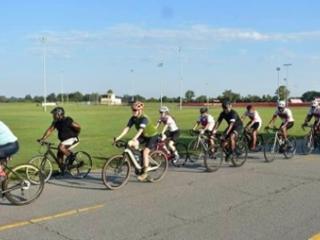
point(315, 237)
point(50, 217)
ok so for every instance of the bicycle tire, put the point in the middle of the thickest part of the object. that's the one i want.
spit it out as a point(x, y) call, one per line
point(83, 163)
point(195, 151)
point(307, 145)
point(241, 153)
point(158, 160)
point(271, 149)
point(20, 175)
point(213, 161)
point(291, 148)
point(113, 166)
point(44, 164)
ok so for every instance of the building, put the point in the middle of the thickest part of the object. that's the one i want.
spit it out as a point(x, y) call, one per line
point(110, 99)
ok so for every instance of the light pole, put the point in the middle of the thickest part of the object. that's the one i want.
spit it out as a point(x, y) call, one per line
point(44, 42)
point(61, 86)
point(278, 84)
point(287, 65)
point(180, 76)
point(132, 85)
point(160, 65)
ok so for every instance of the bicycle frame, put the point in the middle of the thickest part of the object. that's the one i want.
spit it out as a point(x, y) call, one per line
point(134, 161)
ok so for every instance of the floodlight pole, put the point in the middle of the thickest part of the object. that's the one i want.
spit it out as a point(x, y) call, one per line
point(44, 41)
point(278, 84)
point(180, 77)
point(61, 85)
point(287, 65)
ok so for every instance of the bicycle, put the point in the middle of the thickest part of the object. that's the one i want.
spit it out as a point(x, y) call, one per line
point(23, 183)
point(311, 141)
point(80, 167)
point(239, 156)
point(200, 148)
point(249, 140)
point(276, 145)
point(116, 171)
point(182, 150)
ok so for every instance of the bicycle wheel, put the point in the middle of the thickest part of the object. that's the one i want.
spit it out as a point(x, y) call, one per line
point(82, 165)
point(195, 151)
point(183, 154)
point(241, 153)
point(213, 159)
point(308, 145)
point(290, 148)
point(116, 172)
point(260, 143)
point(158, 165)
point(44, 164)
point(19, 187)
point(271, 150)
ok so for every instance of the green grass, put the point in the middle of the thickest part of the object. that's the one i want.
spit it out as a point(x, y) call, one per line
point(101, 123)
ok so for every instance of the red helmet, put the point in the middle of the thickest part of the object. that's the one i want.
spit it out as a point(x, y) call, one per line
point(137, 106)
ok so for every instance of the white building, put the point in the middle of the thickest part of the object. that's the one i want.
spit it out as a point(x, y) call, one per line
point(110, 99)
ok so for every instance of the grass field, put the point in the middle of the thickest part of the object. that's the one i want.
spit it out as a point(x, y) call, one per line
point(101, 123)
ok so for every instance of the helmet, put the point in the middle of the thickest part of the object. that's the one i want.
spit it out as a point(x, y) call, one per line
point(137, 105)
point(226, 104)
point(164, 109)
point(249, 107)
point(203, 110)
point(314, 103)
point(58, 111)
point(281, 104)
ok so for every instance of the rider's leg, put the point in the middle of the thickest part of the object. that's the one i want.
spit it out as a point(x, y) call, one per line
point(233, 141)
point(284, 132)
point(254, 139)
point(60, 156)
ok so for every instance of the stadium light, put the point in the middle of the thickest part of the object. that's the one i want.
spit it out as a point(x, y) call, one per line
point(180, 76)
point(44, 42)
point(61, 86)
point(160, 65)
point(287, 65)
point(278, 70)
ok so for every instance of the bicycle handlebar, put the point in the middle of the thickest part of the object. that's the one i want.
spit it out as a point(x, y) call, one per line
point(121, 144)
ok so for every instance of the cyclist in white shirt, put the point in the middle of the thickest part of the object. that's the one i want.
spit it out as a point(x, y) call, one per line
point(313, 112)
point(255, 123)
point(170, 130)
point(205, 124)
point(286, 116)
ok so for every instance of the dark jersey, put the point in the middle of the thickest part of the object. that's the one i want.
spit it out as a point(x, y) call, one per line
point(143, 122)
point(231, 117)
point(65, 129)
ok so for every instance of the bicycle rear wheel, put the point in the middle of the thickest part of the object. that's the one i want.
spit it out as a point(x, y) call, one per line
point(213, 159)
point(82, 165)
point(183, 154)
point(159, 165)
point(44, 164)
point(24, 184)
point(290, 148)
point(116, 172)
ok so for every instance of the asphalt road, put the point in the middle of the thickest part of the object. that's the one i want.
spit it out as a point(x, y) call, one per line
point(279, 200)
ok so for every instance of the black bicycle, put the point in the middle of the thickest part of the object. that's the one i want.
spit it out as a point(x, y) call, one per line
point(78, 167)
point(23, 183)
point(247, 133)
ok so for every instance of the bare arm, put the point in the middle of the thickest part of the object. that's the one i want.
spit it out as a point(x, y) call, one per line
point(140, 131)
point(76, 126)
point(272, 120)
point(124, 132)
point(47, 133)
point(164, 129)
point(195, 126)
point(230, 128)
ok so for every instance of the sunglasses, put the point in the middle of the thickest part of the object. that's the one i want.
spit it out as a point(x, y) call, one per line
point(134, 110)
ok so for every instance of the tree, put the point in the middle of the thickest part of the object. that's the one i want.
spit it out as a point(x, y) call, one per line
point(282, 92)
point(110, 91)
point(75, 97)
point(28, 98)
point(189, 95)
point(310, 95)
point(230, 96)
point(201, 99)
point(51, 97)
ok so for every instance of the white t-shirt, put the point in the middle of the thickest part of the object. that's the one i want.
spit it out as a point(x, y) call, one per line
point(168, 120)
point(286, 115)
point(205, 120)
point(6, 136)
point(254, 116)
point(314, 112)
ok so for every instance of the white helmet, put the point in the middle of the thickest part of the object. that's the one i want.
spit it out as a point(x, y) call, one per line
point(314, 103)
point(164, 109)
point(281, 104)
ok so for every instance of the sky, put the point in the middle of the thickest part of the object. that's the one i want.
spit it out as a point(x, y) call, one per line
point(207, 46)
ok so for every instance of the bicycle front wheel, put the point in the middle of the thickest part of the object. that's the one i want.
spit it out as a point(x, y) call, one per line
point(271, 150)
point(44, 164)
point(195, 151)
point(82, 165)
point(308, 145)
point(158, 166)
point(116, 172)
point(213, 159)
point(290, 148)
point(241, 153)
point(24, 184)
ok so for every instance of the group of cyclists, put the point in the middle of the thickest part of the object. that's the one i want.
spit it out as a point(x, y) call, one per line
point(147, 132)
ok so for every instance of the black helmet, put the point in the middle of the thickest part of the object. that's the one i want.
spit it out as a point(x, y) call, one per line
point(58, 111)
point(203, 110)
point(226, 104)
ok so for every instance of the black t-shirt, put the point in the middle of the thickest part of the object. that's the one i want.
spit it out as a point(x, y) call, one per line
point(231, 117)
point(65, 129)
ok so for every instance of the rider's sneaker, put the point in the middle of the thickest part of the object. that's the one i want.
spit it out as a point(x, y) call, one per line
point(78, 165)
point(143, 177)
point(176, 158)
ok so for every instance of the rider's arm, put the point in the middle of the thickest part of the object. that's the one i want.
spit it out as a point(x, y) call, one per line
point(140, 131)
point(307, 119)
point(124, 132)
point(164, 129)
point(230, 128)
point(272, 120)
point(76, 126)
point(47, 133)
point(196, 125)
point(216, 126)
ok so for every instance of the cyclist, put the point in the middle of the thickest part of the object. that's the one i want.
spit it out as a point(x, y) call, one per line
point(234, 128)
point(205, 124)
point(147, 134)
point(287, 119)
point(254, 124)
point(68, 132)
point(170, 129)
point(313, 112)
point(8, 146)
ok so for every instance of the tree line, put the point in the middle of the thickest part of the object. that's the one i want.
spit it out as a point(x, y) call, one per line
point(189, 96)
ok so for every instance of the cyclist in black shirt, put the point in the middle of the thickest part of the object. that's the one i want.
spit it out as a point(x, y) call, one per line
point(68, 132)
point(235, 125)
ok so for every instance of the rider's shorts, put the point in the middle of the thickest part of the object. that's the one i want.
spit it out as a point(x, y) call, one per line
point(256, 126)
point(71, 142)
point(150, 142)
point(289, 125)
point(173, 135)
